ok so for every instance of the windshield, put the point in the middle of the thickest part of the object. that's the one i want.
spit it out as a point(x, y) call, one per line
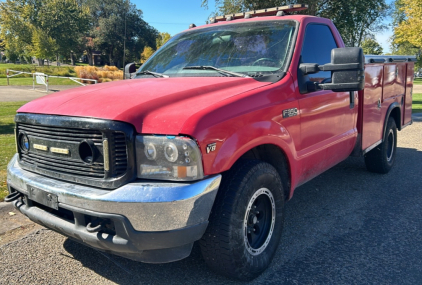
point(252, 49)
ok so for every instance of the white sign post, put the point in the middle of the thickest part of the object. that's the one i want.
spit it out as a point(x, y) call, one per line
point(40, 78)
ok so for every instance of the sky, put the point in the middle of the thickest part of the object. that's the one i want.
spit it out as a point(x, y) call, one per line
point(174, 16)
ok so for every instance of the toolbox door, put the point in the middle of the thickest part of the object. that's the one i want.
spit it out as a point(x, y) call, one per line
point(371, 114)
point(407, 114)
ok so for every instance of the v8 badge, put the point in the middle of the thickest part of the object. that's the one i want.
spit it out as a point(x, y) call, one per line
point(211, 147)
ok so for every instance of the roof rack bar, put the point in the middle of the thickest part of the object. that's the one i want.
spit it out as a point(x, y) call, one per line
point(262, 12)
point(376, 60)
point(389, 58)
point(398, 59)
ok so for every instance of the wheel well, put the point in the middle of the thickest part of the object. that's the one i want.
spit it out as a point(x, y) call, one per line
point(395, 114)
point(275, 156)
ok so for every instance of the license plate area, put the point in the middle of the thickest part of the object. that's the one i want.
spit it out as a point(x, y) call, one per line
point(43, 197)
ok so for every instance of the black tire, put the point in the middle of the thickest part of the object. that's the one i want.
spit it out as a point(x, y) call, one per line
point(381, 159)
point(241, 241)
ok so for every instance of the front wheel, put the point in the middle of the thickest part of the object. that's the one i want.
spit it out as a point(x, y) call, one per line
point(246, 221)
point(381, 158)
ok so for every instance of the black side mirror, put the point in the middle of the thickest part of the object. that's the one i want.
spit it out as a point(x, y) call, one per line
point(129, 69)
point(347, 70)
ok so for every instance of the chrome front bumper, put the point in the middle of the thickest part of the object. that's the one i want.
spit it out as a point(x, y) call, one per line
point(149, 206)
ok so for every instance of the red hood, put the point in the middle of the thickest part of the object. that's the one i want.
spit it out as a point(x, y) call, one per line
point(152, 105)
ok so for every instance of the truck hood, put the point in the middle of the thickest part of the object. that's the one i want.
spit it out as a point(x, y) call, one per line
point(152, 105)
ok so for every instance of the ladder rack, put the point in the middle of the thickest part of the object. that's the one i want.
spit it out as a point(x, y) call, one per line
point(279, 11)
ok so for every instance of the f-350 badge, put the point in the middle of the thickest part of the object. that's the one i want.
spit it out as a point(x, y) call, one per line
point(290, 113)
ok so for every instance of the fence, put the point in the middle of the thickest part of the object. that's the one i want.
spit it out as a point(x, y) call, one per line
point(43, 79)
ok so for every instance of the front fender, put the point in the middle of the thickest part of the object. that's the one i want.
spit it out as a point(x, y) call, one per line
point(248, 137)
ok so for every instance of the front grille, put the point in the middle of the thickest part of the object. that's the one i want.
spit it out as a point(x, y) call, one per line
point(68, 133)
point(119, 156)
point(60, 163)
point(65, 166)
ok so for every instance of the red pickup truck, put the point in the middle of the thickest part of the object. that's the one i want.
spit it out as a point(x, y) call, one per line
point(209, 140)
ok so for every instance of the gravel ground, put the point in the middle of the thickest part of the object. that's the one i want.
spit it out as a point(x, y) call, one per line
point(417, 88)
point(347, 226)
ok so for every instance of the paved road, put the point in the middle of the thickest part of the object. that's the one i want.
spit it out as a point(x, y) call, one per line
point(417, 88)
point(26, 93)
point(347, 226)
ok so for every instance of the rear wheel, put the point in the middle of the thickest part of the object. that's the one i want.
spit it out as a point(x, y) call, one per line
point(246, 221)
point(381, 158)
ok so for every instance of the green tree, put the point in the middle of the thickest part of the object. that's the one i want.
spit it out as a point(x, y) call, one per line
point(355, 20)
point(407, 27)
point(162, 39)
point(108, 33)
point(371, 46)
point(15, 30)
point(43, 46)
point(407, 24)
point(66, 21)
point(33, 25)
point(147, 52)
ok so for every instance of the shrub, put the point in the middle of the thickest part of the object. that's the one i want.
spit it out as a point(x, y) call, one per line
point(104, 74)
point(110, 68)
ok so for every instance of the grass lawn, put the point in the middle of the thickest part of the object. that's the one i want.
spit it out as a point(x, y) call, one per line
point(417, 81)
point(7, 140)
point(417, 103)
point(28, 81)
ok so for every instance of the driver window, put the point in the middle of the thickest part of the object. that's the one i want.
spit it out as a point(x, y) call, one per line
point(317, 46)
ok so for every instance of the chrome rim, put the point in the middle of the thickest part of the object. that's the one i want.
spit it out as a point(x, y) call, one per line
point(258, 224)
point(390, 145)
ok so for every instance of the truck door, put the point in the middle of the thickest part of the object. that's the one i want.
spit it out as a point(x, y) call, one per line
point(328, 118)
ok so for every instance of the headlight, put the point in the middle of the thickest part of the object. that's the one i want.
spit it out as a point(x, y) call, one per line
point(168, 158)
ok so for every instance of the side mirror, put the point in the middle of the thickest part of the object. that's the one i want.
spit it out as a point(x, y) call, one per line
point(129, 69)
point(347, 70)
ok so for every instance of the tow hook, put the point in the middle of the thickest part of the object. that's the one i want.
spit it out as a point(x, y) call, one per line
point(94, 226)
point(12, 197)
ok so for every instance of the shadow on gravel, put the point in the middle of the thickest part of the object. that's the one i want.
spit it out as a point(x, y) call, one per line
point(347, 226)
point(417, 117)
point(191, 270)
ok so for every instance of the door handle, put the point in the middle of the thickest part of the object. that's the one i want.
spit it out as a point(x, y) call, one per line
point(379, 104)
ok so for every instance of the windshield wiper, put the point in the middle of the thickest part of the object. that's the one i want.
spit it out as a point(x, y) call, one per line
point(156, 74)
point(222, 71)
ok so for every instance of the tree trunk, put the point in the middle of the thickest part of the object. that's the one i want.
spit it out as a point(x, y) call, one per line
point(71, 59)
point(57, 59)
point(40, 61)
point(90, 59)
